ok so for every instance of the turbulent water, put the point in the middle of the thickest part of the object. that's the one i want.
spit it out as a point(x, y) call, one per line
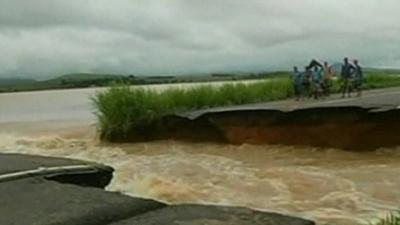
point(326, 185)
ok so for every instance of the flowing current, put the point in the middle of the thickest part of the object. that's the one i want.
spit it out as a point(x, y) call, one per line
point(329, 186)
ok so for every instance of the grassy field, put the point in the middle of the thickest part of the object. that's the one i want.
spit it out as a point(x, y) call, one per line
point(121, 109)
point(375, 81)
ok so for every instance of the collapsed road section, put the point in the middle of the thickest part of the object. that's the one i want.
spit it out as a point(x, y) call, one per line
point(48, 191)
point(344, 127)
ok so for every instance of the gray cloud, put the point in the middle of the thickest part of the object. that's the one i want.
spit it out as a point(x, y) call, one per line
point(44, 38)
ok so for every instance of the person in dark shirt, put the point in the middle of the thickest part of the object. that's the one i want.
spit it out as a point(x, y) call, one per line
point(316, 77)
point(312, 79)
point(307, 83)
point(298, 82)
point(314, 63)
point(358, 78)
point(347, 75)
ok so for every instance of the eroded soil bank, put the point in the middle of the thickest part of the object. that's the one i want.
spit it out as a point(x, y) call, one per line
point(350, 128)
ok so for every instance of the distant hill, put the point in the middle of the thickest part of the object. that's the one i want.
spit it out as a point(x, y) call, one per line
point(4, 82)
point(86, 76)
point(78, 80)
point(83, 80)
point(386, 71)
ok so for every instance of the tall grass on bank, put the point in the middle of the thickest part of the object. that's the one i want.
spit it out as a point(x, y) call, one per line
point(121, 109)
point(390, 219)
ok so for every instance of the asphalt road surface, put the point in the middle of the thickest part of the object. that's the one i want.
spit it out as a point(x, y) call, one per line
point(380, 99)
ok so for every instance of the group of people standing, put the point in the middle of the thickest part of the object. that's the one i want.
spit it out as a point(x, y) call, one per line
point(317, 80)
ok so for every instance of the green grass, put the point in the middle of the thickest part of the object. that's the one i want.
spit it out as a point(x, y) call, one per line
point(390, 219)
point(123, 109)
point(374, 81)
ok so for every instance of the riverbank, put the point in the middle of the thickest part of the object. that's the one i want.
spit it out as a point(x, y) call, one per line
point(130, 115)
point(349, 128)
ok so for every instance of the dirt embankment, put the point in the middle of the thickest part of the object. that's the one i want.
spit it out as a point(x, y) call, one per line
point(351, 128)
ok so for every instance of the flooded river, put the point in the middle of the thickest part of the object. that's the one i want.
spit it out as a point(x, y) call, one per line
point(329, 186)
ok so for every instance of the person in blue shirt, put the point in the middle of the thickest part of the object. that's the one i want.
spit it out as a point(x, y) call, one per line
point(314, 87)
point(307, 82)
point(358, 78)
point(298, 81)
point(346, 76)
point(316, 77)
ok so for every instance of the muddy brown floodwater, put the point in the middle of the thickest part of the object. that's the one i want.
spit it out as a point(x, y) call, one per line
point(326, 185)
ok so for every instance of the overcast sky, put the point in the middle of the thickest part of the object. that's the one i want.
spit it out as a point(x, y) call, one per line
point(44, 38)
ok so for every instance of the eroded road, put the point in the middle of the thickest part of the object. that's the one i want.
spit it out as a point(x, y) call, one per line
point(383, 99)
